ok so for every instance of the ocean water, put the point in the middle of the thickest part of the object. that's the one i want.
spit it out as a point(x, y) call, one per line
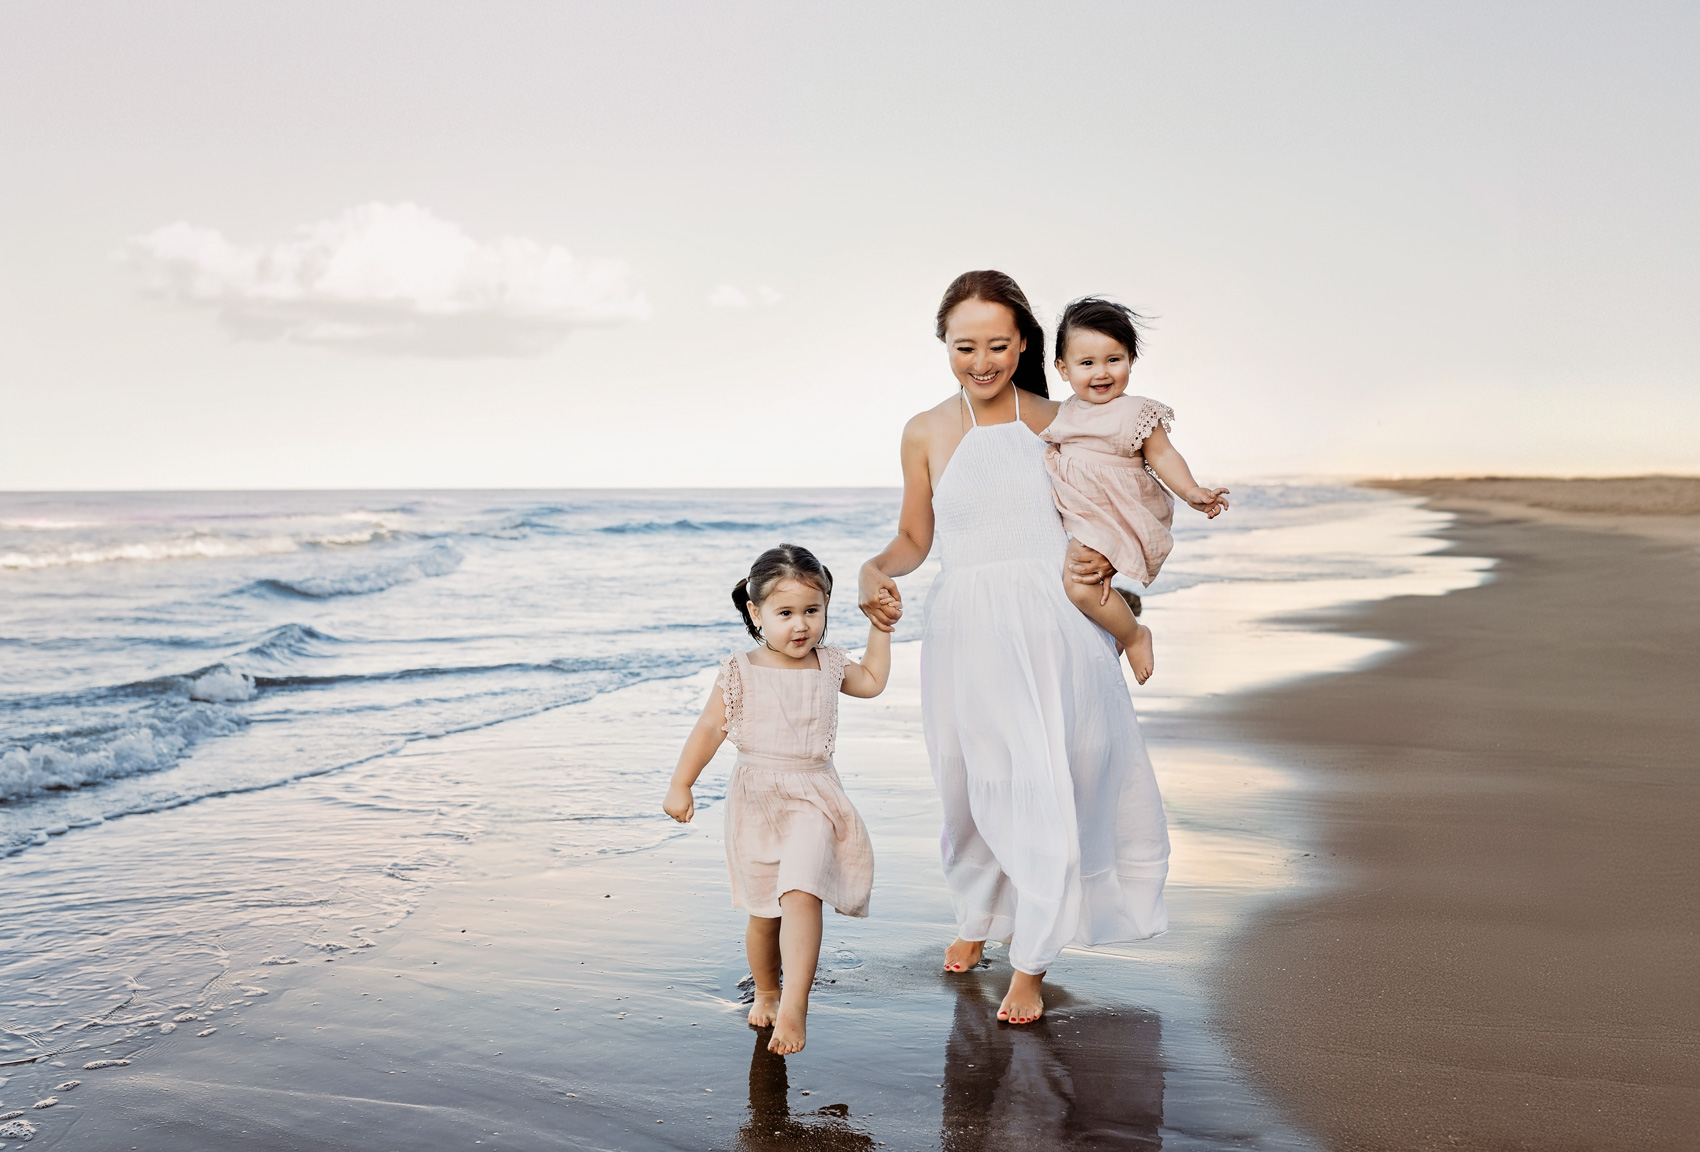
point(281, 664)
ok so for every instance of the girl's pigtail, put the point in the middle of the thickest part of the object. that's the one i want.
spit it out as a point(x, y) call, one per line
point(741, 598)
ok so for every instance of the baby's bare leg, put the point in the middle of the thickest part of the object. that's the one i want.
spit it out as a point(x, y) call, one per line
point(761, 945)
point(1115, 617)
point(799, 946)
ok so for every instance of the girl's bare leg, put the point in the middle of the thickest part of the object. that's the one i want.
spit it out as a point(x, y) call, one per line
point(799, 949)
point(1116, 618)
point(761, 945)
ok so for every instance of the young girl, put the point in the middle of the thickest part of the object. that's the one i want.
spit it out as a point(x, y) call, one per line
point(1107, 452)
point(793, 839)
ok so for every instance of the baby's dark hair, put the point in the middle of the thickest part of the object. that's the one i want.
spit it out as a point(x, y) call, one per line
point(1096, 314)
point(786, 562)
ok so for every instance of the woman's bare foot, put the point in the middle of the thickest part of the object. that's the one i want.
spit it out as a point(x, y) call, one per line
point(963, 955)
point(1140, 657)
point(789, 1030)
point(1023, 1004)
point(765, 1010)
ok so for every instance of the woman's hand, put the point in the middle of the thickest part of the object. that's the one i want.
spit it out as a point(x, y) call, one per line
point(680, 804)
point(1090, 566)
point(1210, 501)
point(878, 598)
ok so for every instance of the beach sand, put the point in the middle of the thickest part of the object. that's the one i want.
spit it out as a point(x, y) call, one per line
point(1502, 951)
point(536, 1001)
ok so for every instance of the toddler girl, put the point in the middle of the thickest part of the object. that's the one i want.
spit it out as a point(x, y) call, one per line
point(793, 839)
point(1107, 451)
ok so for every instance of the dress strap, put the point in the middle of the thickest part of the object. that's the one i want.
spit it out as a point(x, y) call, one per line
point(970, 404)
point(1017, 404)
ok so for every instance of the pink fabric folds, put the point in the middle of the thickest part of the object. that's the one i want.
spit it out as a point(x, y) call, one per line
point(789, 824)
point(1107, 497)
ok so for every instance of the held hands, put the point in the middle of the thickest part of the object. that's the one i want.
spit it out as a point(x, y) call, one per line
point(878, 598)
point(1210, 501)
point(680, 804)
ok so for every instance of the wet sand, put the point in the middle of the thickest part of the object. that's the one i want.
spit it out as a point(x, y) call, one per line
point(537, 1002)
point(1504, 948)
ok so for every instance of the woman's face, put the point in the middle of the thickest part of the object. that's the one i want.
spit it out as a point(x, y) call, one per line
point(985, 347)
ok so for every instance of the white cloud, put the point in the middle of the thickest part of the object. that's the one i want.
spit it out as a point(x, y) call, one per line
point(390, 278)
point(731, 296)
point(726, 296)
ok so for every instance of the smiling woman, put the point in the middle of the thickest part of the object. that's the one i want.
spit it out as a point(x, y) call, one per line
point(1054, 831)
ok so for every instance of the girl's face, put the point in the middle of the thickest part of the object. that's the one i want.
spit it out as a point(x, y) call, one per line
point(985, 347)
point(792, 618)
point(1096, 365)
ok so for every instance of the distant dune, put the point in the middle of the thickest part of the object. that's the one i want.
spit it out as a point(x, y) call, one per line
point(1616, 495)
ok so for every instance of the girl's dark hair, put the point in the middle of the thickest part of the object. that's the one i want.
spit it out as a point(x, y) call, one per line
point(1096, 314)
point(786, 562)
point(997, 288)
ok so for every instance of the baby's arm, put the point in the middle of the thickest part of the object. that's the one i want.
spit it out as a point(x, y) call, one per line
point(700, 746)
point(1171, 469)
point(868, 678)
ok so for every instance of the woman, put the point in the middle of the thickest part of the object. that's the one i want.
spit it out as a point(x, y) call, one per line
point(1054, 830)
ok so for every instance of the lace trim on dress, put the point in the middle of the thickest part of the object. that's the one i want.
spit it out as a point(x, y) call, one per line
point(731, 685)
point(1151, 414)
point(832, 660)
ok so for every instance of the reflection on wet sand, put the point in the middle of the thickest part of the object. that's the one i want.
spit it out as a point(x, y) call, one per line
point(771, 1125)
point(1076, 1079)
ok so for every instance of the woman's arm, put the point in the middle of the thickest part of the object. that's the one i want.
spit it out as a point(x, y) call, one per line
point(869, 677)
point(877, 593)
point(1171, 469)
point(700, 746)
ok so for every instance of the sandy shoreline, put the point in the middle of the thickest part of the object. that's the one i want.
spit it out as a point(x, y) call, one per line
point(1508, 956)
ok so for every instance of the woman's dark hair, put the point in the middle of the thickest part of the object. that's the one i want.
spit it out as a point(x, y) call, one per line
point(786, 562)
point(1106, 317)
point(997, 288)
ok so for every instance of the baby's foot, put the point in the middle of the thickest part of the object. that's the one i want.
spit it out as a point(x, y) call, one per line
point(963, 955)
point(1140, 657)
point(788, 1031)
point(765, 1010)
point(1023, 1004)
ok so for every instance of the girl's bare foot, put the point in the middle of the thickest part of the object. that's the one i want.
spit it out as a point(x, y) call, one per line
point(765, 1010)
point(1140, 657)
point(788, 1030)
point(963, 955)
point(1023, 1004)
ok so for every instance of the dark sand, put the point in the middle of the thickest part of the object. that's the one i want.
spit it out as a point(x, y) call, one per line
point(1506, 954)
point(536, 1001)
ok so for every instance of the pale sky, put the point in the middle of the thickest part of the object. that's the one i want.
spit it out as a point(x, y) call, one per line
point(673, 244)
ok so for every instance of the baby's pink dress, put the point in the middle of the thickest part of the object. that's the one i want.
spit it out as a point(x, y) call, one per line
point(1107, 497)
point(789, 824)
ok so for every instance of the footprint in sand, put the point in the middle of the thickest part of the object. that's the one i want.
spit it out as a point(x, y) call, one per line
point(47, 1103)
point(12, 1115)
point(94, 1064)
point(67, 1086)
point(167, 1028)
point(205, 1032)
point(185, 1017)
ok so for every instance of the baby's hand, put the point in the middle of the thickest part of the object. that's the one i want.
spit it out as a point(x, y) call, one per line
point(680, 804)
point(1210, 501)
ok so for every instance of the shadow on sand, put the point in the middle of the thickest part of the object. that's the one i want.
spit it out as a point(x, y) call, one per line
point(772, 1126)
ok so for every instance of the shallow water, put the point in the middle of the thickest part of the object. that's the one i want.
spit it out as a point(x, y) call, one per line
point(359, 737)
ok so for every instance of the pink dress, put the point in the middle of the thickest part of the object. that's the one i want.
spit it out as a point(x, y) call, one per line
point(789, 825)
point(1108, 498)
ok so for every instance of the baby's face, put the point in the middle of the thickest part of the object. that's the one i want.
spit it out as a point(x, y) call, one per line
point(1096, 365)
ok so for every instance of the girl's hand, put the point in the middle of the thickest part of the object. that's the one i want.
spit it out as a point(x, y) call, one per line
point(1090, 566)
point(680, 804)
point(878, 598)
point(1210, 501)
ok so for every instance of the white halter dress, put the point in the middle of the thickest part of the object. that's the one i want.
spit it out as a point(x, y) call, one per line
point(1053, 826)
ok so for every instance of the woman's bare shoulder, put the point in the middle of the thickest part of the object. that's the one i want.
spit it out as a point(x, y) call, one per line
point(1038, 412)
point(942, 415)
